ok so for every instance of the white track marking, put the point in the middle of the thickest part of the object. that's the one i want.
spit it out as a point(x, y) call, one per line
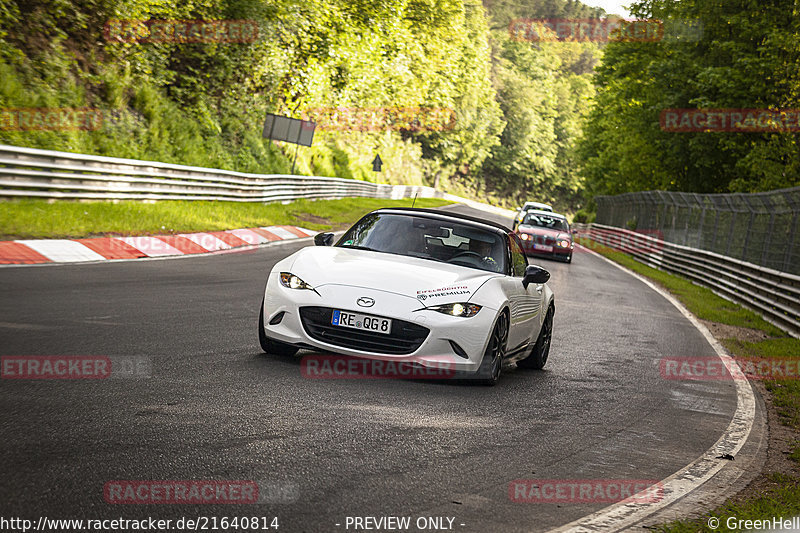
point(622, 515)
point(207, 241)
point(248, 236)
point(280, 232)
point(309, 232)
point(63, 251)
point(150, 246)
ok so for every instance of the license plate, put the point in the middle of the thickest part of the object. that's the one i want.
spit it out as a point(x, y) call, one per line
point(543, 247)
point(357, 321)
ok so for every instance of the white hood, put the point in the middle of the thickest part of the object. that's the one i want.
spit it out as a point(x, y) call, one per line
point(428, 281)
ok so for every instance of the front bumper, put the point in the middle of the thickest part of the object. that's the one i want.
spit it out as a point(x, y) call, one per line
point(470, 334)
point(557, 252)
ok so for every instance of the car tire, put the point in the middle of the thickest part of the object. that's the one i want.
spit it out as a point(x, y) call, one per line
point(269, 345)
point(492, 363)
point(541, 350)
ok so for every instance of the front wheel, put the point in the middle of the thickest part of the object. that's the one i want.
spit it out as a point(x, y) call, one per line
point(541, 350)
point(492, 363)
point(269, 345)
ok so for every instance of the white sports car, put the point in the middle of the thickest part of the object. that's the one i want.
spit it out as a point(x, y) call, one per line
point(416, 286)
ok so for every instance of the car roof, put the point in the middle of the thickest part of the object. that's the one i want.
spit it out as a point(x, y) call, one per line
point(537, 203)
point(545, 213)
point(433, 213)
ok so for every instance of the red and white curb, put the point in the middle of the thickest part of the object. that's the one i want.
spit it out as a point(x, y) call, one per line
point(26, 252)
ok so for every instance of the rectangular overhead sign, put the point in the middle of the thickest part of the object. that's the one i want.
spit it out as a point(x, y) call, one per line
point(293, 130)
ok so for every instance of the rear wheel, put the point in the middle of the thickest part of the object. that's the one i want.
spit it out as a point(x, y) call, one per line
point(492, 364)
point(269, 345)
point(541, 350)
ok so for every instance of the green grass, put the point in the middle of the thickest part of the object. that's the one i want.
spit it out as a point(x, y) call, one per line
point(783, 348)
point(781, 498)
point(38, 219)
point(701, 301)
point(786, 398)
point(785, 392)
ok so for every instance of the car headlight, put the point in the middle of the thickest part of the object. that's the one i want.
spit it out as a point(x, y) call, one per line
point(563, 243)
point(524, 236)
point(463, 310)
point(291, 281)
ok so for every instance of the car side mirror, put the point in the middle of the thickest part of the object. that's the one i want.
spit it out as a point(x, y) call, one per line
point(535, 274)
point(323, 239)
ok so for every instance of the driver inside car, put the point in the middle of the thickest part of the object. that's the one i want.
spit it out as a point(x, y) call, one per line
point(483, 249)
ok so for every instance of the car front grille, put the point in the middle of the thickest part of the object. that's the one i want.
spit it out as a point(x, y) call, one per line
point(404, 338)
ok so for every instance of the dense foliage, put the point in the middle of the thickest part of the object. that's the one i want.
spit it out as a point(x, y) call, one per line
point(544, 91)
point(517, 106)
point(745, 55)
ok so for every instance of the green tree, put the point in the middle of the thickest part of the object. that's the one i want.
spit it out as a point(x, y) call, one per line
point(746, 56)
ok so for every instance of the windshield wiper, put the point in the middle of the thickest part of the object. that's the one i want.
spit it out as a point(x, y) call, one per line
point(357, 247)
point(428, 257)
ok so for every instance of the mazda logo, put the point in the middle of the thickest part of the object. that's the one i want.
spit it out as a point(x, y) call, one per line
point(365, 302)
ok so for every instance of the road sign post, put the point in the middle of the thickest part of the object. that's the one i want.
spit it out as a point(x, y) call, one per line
point(292, 130)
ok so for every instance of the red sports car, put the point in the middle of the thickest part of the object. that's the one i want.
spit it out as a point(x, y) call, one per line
point(546, 234)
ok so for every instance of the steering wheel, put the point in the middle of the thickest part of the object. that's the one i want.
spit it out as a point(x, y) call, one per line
point(474, 254)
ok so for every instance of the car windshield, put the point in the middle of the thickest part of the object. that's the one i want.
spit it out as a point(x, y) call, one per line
point(544, 221)
point(540, 207)
point(428, 238)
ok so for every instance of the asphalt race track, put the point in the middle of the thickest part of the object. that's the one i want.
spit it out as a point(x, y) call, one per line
point(214, 407)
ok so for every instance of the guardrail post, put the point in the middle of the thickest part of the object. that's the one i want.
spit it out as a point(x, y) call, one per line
point(749, 228)
point(691, 206)
point(702, 222)
point(768, 237)
point(716, 226)
point(732, 226)
point(656, 212)
point(787, 260)
point(793, 199)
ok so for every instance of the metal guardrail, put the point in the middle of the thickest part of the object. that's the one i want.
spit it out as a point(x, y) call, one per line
point(30, 172)
point(34, 173)
point(773, 294)
point(760, 228)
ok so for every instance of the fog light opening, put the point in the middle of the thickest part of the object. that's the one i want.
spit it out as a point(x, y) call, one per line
point(458, 350)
